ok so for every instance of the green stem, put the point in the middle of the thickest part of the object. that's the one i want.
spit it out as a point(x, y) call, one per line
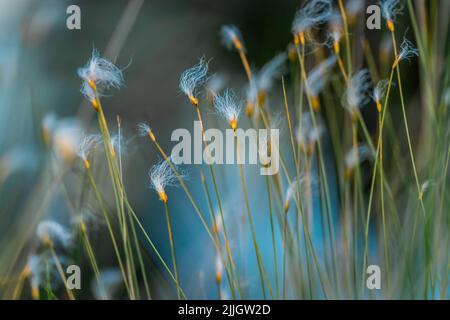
point(252, 230)
point(61, 273)
point(275, 264)
point(108, 224)
point(172, 249)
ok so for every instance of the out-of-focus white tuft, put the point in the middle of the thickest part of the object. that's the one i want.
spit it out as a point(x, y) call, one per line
point(313, 13)
point(358, 91)
point(307, 134)
point(264, 150)
point(232, 37)
point(35, 268)
point(262, 82)
point(271, 71)
point(215, 84)
point(390, 9)
point(219, 268)
point(54, 232)
point(356, 155)
point(41, 272)
point(295, 187)
point(48, 122)
point(218, 225)
point(86, 220)
point(318, 76)
point(66, 136)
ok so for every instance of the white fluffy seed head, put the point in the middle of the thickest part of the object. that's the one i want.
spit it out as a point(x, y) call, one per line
point(192, 78)
point(297, 186)
point(54, 232)
point(308, 134)
point(219, 264)
point(66, 137)
point(48, 122)
point(119, 143)
point(252, 91)
point(426, 185)
point(380, 90)
point(358, 91)
point(232, 37)
point(87, 145)
point(407, 50)
point(390, 9)
point(218, 223)
point(227, 106)
point(218, 267)
point(86, 220)
point(335, 20)
point(334, 37)
point(144, 129)
point(215, 84)
point(161, 176)
point(356, 155)
point(313, 13)
point(271, 71)
point(318, 76)
point(100, 72)
point(41, 272)
point(34, 270)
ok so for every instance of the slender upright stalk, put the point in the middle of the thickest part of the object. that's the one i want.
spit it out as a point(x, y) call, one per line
point(187, 192)
point(322, 168)
point(245, 64)
point(216, 233)
point(369, 207)
point(261, 268)
point(274, 246)
point(219, 203)
point(172, 249)
point(402, 102)
point(347, 38)
point(108, 223)
point(383, 215)
point(91, 255)
point(61, 272)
